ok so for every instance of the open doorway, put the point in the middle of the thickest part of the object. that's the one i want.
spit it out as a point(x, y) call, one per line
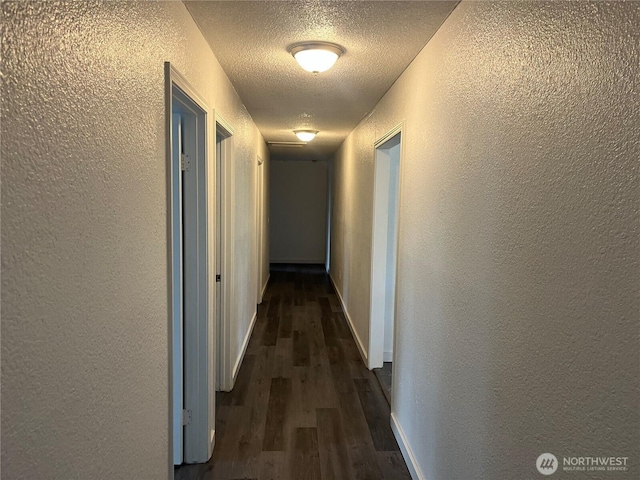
point(259, 189)
point(224, 251)
point(384, 257)
point(191, 376)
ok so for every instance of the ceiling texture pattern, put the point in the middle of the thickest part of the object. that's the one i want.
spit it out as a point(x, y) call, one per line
point(251, 40)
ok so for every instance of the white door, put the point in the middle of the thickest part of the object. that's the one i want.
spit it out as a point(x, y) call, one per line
point(178, 325)
point(219, 257)
point(193, 361)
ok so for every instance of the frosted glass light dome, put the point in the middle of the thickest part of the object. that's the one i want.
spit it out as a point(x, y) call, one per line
point(305, 135)
point(316, 57)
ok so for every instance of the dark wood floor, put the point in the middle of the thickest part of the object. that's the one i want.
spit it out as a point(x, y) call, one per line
point(304, 405)
point(384, 377)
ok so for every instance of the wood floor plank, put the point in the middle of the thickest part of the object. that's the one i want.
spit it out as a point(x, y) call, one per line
point(301, 356)
point(361, 449)
point(196, 472)
point(249, 448)
point(302, 399)
point(274, 306)
point(334, 355)
point(299, 299)
point(305, 459)
point(363, 463)
point(329, 331)
point(241, 429)
point(284, 328)
point(274, 466)
point(373, 403)
point(352, 359)
point(255, 342)
point(342, 329)
point(224, 399)
point(270, 335)
point(317, 347)
point(325, 306)
point(226, 456)
point(287, 302)
point(334, 303)
point(351, 352)
point(393, 466)
point(334, 460)
point(310, 294)
point(355, 423)
point(321, 387)
point(263, 308)
point(282, 359)
point(239, 393)
point(279, 396)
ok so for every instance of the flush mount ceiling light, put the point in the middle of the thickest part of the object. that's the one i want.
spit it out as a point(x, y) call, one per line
point(316, 57)
point(306, 135)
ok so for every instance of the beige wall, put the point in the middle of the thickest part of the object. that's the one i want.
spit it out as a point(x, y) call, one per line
point(84, 244)
point(517, 326)
point(298, 202)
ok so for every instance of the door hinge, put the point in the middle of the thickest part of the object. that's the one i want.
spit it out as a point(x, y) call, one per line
point(186, 417)
point(185, 163)
point(218, 278)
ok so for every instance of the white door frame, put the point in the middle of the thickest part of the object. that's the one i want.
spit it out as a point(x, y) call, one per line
point(379, 272)
point(327, 262)
point(199, 331)
point(176, 287)
point(227, 184)
point(259, 189)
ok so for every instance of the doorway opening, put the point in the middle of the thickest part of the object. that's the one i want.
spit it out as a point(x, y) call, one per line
point(224, 252)
point(327, 262)
point(260, 229)
point(192, 373)
point(384, 257)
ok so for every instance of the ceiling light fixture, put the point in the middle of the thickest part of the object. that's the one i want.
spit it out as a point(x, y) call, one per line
point(306, 135)
point(316, 57)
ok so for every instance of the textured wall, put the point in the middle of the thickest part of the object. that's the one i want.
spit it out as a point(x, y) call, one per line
point(298, 203)
point(84, 274)
point(518, 265)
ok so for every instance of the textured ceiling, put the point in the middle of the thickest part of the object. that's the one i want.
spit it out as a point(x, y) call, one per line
point(250, 39)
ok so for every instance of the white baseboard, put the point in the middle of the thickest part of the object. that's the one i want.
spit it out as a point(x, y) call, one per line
point(405, 449)
point(361, 349)
point(264, 287)
point(387, 357)
point(243, 349)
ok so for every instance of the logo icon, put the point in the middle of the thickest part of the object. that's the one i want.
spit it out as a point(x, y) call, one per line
point(547, 463)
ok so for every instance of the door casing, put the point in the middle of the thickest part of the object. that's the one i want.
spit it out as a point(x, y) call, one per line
point(225, 220)
point(198, 355)
point(381, 272)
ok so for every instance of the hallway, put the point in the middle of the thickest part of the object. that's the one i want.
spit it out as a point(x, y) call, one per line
point(304, 405)
point(516, 332)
